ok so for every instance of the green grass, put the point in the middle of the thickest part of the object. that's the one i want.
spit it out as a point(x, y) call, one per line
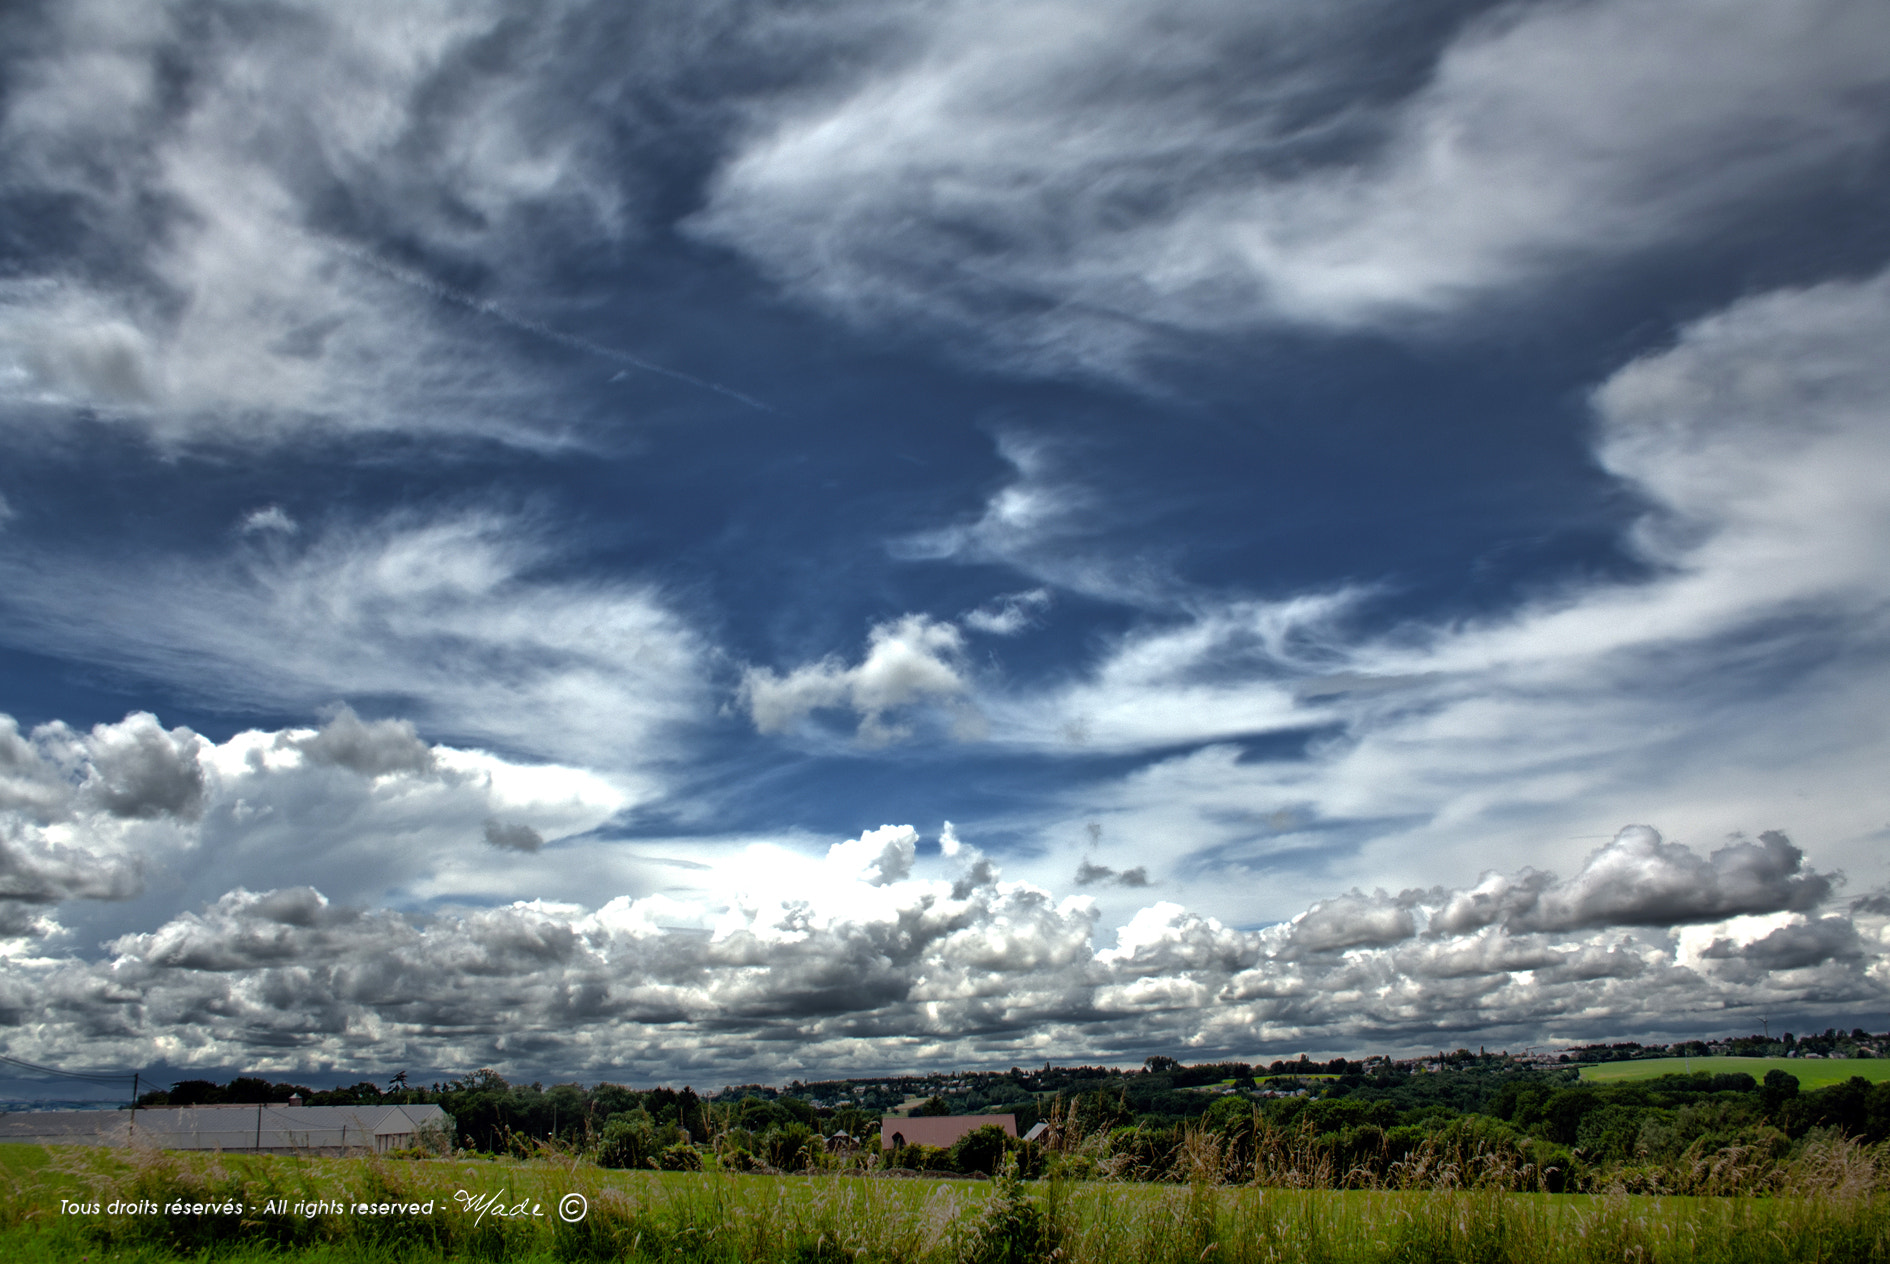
point(1811, 1072)
point(715, 1218)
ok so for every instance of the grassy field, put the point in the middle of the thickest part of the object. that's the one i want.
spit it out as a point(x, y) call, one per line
point(1811, 1072)
point(725, 1219)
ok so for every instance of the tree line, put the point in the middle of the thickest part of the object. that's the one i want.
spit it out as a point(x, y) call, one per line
point(1484, 1121)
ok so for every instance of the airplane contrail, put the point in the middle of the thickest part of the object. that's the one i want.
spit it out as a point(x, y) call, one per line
point(486, 307)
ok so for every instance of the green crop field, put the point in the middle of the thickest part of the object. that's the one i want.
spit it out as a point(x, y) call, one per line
point(1811, 1072)
point(149, 1208)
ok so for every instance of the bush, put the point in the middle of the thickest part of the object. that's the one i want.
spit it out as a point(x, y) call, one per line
point(921, 1158)
point(681, 1157)
point(1010, 1228)
point(736, 1159)
point(627, 1142)
point(792, 1147)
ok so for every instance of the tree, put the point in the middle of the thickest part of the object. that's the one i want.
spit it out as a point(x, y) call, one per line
point(1779, 1087)
point(932, 1106)
point(980, 1150)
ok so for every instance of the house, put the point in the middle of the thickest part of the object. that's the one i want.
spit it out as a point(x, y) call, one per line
point(265, 1129)
point(937, 1130)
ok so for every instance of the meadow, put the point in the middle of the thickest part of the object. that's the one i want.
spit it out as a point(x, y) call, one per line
point(508, 1209)
point(1811, 1073)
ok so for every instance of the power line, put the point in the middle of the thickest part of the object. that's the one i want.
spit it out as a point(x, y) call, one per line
point(23, 1064)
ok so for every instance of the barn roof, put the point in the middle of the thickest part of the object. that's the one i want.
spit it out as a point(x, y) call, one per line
point(937, 1130)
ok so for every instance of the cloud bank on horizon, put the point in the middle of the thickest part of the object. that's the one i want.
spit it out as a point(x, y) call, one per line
point(1369, 518)
point(865, 956)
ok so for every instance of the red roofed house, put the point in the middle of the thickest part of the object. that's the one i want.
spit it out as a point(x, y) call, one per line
point(937, 1130)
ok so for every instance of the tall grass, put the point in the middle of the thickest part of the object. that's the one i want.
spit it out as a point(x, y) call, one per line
point(1833, 1211)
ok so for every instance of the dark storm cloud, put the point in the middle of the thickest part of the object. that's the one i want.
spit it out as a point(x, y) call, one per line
point(1088, 873)
point(513, 836)
point(371, 749)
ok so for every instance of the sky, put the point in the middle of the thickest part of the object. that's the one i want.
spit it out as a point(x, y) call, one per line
point(733, 540)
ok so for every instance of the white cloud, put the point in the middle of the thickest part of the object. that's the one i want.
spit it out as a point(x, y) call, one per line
point(146, 820)
point(450, 614)
point(1009, 614)
point(911, 662)
point(1741, 680)
point(269, 518)
point(209, 299)
point(775, 957)
point(1065, 182)
point(1230, 670)
point(878, 856)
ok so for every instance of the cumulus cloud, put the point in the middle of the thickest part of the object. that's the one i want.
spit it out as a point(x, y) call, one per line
point(909, 662)
point(139, 770)
point(1795, 946)
point(867, 955)
point(878, 856)
point(135, 769)
point(1640, 880)
point(371, 749)
point(38, 873)
point(1068, 183)
point(1353, 920)
point(87, 818)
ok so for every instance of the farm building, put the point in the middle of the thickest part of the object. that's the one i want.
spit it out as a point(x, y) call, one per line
point(276, 1129)
point(937, 1130)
